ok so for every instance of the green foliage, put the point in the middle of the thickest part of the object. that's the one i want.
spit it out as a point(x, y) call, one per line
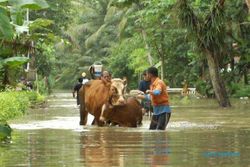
point(59, 11)
point(123, 34)
point(240, 90)
point(14, 104)
point(6, 31)
point(40, 24)
point(208, 28)
point(14, 38)
point(5, 131)
point(31, 4)
point(45, 58)
point(14, 62)
point(44, 85)
point(204, 88)
point(16, 11)
point(136, 62)
point(126, 59)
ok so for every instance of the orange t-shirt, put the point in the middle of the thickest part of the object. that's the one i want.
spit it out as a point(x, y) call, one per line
point(162, 99)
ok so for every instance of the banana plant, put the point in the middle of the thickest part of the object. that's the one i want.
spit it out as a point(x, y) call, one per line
point(12, 13)
point(13, 39)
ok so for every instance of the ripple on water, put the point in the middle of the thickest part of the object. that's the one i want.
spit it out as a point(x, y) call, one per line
point(62, 106)
point(64, 123)
point(190, 125)
point(72, 123)
point(61, 100)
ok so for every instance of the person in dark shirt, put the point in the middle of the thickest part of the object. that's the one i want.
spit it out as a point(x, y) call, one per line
point(76, 89)
point(144, 85)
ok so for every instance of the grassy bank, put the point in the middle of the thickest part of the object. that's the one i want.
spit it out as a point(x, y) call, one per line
point(14, 104)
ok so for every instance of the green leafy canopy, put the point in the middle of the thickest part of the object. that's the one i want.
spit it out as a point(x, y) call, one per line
point(14, 62)
point(31, 4)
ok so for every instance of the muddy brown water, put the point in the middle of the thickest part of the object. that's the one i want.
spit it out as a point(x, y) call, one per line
point(199, 134)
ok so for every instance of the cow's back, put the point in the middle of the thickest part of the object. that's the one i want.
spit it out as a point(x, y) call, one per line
point(129, 115)
point(96, 94)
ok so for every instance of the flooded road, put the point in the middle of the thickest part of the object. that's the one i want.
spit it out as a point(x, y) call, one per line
point(198, 134)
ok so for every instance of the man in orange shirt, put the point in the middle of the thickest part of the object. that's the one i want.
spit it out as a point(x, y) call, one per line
point(159, 98)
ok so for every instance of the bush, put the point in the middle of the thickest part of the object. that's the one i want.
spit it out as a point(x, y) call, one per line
point(13, 104)
point(204, 88)
point(243, 91)
point(5, 131)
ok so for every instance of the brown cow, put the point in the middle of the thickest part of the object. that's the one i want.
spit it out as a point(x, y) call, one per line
point(96, 93)
point(128, 115)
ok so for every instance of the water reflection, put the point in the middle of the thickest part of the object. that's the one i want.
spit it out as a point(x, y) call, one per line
point(51, 137)
point(113, 147)
point(159, 151)
point(98, 149)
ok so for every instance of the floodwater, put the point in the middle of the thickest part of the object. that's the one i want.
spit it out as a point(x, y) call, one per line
point(199, 134)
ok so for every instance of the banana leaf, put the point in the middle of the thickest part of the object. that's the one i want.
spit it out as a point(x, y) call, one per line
point(31, 4)
point(14, 62)
point(6, 30)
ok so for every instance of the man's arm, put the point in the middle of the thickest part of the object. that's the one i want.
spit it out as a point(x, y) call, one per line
point(157, 91)
point(144, 97)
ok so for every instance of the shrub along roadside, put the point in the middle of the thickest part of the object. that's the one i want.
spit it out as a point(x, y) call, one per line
point(14, 104)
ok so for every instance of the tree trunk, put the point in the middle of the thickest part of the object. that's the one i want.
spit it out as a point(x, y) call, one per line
point(150, 59)
point(217, 82)
point(162, 67)
point(161, 54)
point(248, 4)
point(47, 84)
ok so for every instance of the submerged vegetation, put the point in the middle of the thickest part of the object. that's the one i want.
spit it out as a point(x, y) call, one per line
point(14, 104)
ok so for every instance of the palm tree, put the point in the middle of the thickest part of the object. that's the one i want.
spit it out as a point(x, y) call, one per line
point(209, 34)
point(99, 21)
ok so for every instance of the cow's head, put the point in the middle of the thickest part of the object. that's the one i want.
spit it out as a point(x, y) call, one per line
point(117, 91)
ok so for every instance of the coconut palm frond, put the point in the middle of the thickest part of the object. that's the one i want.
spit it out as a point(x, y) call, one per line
point(72, 38)
point(187, 16)
point(86, 27)
point(122, 26)
point(213, 31)
point(111, 12)
point(94, 37)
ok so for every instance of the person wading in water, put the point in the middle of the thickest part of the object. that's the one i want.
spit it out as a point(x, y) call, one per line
point(160, 101)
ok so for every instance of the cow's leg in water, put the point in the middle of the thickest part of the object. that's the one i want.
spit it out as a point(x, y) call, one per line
point(83, 112)
point(96, 121)
point(93, 122)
